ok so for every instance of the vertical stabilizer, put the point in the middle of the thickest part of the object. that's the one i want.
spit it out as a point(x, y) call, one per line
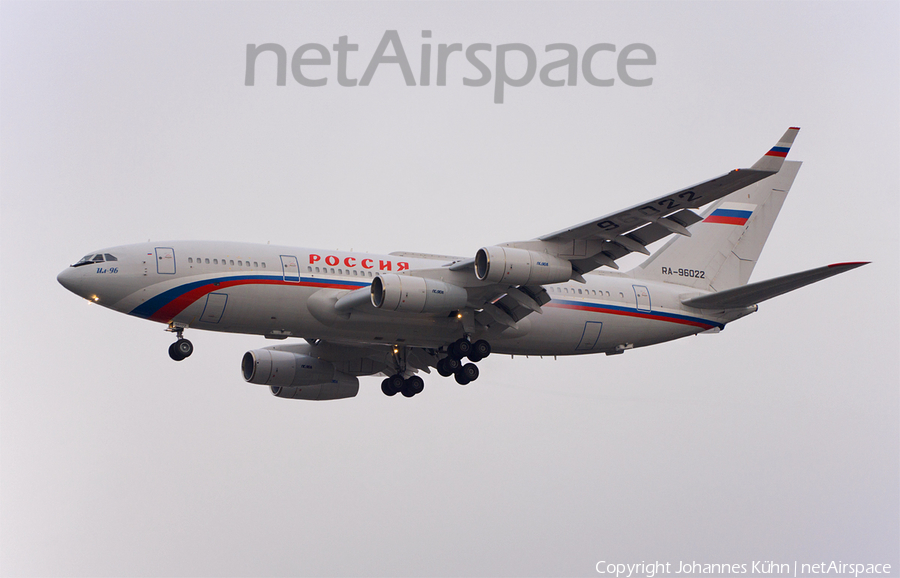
point(774, 159)
point(723, 248)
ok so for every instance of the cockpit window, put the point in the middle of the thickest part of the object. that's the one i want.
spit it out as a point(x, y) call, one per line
point(98, 258)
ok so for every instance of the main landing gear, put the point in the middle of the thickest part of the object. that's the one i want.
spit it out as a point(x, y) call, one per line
point(459, 349)
point(452, 364)
point(396, 383)
point(408, 387)
point(182, 348)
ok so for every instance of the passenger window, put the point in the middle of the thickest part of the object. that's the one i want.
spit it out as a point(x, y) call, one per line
point(190, 260)
point(579, 291)
point(355, 273)
point(370, 273)
point(309, 268)
point(240, 263)
point(232, 261)
point(215, 261)
point(207, 261)
point(255, 264)
point(332, 270)
point(317, 269)
point(621, 294)
point(264, 264)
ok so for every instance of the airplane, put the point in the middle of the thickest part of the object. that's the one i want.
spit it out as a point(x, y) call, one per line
point(357, 314)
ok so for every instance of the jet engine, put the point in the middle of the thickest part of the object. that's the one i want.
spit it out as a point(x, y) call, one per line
point(297, 376)
point(520, 266)
point(416, 294)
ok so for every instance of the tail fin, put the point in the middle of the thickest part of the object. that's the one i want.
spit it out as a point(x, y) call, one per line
point(772, 160)
point(723, 248)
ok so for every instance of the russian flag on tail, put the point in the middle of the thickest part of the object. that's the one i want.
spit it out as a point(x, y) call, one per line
point(778, 152)
point(731, 214)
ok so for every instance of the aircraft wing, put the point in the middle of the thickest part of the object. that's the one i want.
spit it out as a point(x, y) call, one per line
point(601, 241)
point(592, 244)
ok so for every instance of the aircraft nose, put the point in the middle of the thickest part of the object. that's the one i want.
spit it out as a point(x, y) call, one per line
point(72, 279)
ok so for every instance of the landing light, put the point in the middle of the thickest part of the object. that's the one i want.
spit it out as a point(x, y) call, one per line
point(94, 298)
point(459, 315)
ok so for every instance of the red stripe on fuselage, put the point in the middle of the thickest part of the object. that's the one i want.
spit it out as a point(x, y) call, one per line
point(638, 314)
point(168, 311)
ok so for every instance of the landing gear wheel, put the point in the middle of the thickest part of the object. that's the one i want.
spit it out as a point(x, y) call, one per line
point(460, 348)
point(412, 386)
point(174, 353)
point(184, 347)
point(387, 388)
point(397, 382)
point(415, 384)
point(481, 348)
point(448, 366)
point(452, 365)
point(466, 374)
point(442, 368)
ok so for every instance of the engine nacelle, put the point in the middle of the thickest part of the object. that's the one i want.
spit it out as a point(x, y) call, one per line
point(520, 266)
point(297, 376)
point(416, 294)
point(342, 386)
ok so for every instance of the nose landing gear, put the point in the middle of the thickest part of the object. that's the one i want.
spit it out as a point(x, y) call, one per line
point(182, 348)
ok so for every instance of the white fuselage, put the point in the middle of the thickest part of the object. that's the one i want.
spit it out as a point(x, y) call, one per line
point(281, 292)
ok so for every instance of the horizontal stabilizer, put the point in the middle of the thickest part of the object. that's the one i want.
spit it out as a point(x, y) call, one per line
point(754, 293)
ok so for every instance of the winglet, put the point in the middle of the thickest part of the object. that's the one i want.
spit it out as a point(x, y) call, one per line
point(772, 160)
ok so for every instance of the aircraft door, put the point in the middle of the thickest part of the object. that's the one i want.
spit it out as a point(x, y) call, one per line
point(215, 306)
point(590, 336)
point(165, 260)
point(642, 297)
point(290, 268)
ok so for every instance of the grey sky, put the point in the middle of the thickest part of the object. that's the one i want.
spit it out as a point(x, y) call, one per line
point(777, 439)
